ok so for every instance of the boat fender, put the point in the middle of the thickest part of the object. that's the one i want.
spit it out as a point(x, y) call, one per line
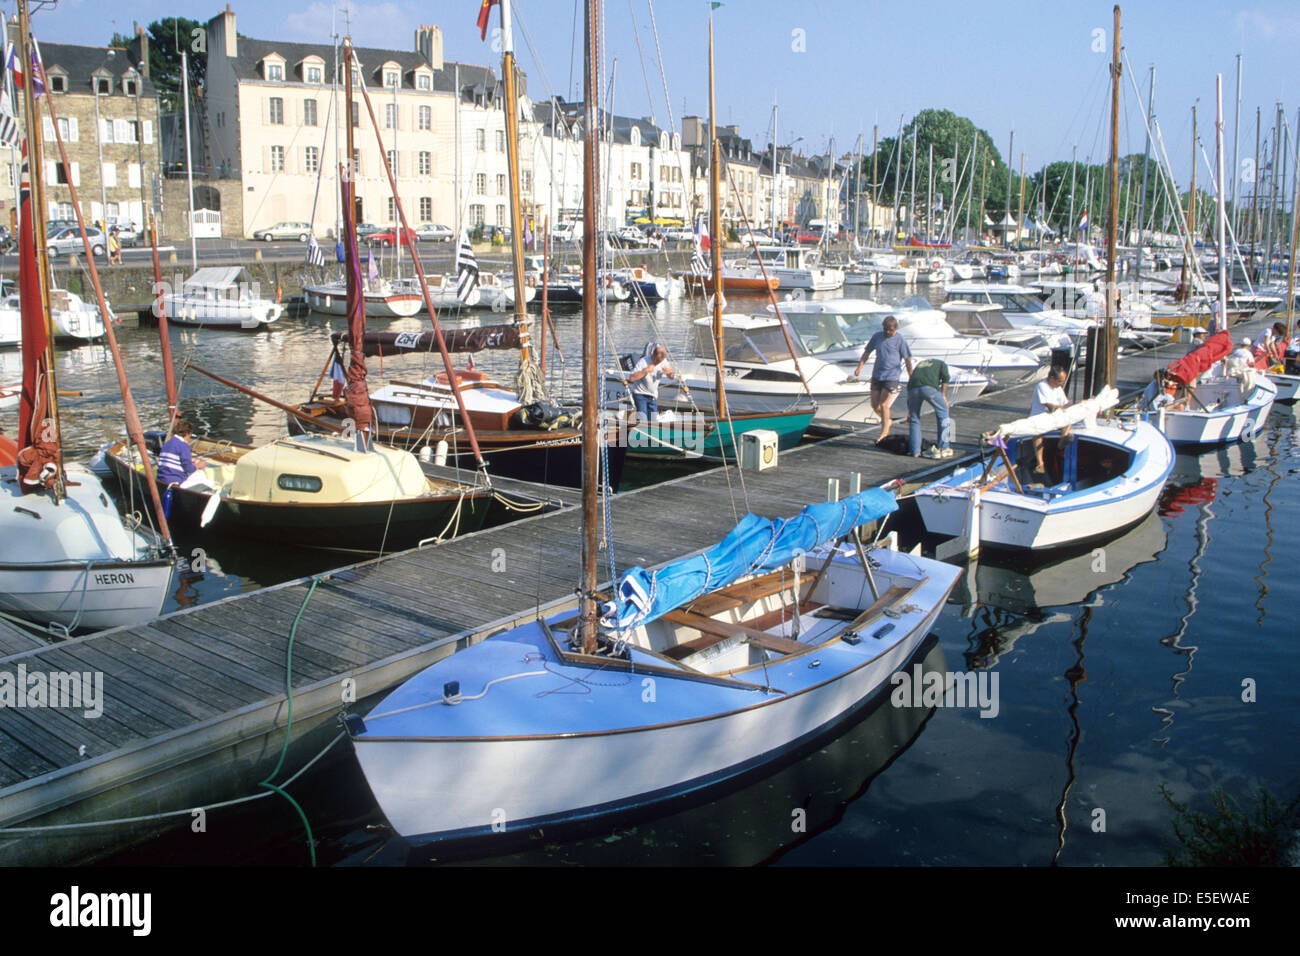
point(440, 453)
point(426, 454)
point(210, 509)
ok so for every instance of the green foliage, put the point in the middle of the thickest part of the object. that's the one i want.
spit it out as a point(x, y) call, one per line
point(1229, 836)
point(476, 234)
point(166, 39)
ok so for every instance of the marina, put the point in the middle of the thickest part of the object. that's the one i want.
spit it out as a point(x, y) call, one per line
point(682, 502)
point(202, 690)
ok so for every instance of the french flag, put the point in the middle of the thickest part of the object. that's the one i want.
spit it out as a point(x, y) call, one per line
point(15, 64)
point(1083, 223)
point(702, 235)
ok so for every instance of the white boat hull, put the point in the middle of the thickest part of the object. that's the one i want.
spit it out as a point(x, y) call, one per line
point(468, 786)
point(1226, 424)
point(1034, 522)
point(221, 313)
point(74, 563)
point(391, 305)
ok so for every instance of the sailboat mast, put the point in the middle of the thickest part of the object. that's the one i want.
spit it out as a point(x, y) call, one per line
point(36, 165)
point(857, 191)
point(1146, 162)
point(1020, 206)
point(875, 179)
point(1006, 236)
point(1236, 153)
point(164, 335)
point(1254, 199)
point(590, 412)
point(715, 229)
point(1190, 254)
point(911, 208)
point(772, 225)
point(1108, 353)
point(508, 69)
point(1222, 211)
point(1069, 221)
point(1295, 236)
point(189, 167)
point(929, 193)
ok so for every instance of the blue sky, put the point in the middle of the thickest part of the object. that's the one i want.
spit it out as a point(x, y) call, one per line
point(838, 66)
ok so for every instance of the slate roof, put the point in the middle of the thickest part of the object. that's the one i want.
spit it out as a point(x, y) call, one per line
point(251, 53)
point(80, 63)
point(622, 125)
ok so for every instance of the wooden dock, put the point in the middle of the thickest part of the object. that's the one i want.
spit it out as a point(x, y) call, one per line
point(194, 704)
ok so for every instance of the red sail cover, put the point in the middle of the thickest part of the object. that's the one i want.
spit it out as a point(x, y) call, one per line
point(355, 394)
point(458, 340)
point(1214, 349)
point(38, 436)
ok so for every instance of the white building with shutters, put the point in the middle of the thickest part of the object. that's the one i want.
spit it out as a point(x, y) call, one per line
point(273, 118)
point(107, 115)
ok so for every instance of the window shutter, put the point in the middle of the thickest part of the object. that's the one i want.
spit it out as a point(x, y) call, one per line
point(76, 174)
point(148, 131)
point(51, 173)
point(73, 135)
point(133, 175)
point(54, 209)
point(121, 132)
point(110, 175)
point(106, 131)
point(96, 212)
point(47, 129)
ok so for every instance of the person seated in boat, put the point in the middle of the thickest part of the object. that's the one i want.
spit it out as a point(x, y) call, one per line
point(886, 375)
point(175, 460)
point(1049, 396)
point(1161, 392)
point(644, 380)
point(1270, 344)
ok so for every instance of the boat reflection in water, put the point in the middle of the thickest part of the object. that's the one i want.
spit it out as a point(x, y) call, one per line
point(1012, 597)
point(754, 819)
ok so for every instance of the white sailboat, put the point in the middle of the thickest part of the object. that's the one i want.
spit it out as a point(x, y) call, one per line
point(748, 660)
point(67, 557)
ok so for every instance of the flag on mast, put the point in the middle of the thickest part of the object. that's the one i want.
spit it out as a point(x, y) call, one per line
point(484, 12)
point(315, 254)
point(466, 268)
point(699, 265)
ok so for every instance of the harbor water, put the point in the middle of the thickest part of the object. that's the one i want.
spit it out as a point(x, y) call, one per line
point(1156, 659)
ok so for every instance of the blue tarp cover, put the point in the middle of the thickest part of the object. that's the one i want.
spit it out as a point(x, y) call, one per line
point(755, 545)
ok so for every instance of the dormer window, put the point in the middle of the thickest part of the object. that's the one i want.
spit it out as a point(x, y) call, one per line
point(58, 84)
point(390, 78)
point(274, 71)
point(103, 86)
point(424, 82)
point(315, 74)
point(311, 69)
point(130, 86)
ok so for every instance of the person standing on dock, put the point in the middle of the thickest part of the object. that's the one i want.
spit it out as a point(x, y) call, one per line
point(1049, 396)
point(645, 382)
point(175, 460)
point(891, 353)
point(929, 383)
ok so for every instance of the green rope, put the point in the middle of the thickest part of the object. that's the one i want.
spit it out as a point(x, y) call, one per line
point(288, 727)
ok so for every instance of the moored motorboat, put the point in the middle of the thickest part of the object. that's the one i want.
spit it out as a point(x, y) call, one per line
point(220, 297)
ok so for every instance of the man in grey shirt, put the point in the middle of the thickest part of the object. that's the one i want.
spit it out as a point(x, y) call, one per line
point(891, 353)
point(645, 382)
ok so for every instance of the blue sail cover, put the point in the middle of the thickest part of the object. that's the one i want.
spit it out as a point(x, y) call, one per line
point(756, 544)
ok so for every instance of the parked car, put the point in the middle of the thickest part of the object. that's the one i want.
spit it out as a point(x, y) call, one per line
point(679, 235)
point(284, 230)
point(566, 231)
point(430, 232)
point(128, 233)
point(367, 229)
point(388, 237)
point(630, 237)
point(68, 240)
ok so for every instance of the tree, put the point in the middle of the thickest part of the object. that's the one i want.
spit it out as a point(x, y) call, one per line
point(166, 39)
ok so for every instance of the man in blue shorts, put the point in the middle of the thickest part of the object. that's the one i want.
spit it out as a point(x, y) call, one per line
point(891, 353)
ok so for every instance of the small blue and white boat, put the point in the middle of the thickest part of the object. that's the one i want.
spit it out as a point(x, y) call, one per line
point(713, 665)
point(1109, 477)
point(641, 283)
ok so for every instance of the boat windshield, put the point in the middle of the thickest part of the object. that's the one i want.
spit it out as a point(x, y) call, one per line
point(762, 345)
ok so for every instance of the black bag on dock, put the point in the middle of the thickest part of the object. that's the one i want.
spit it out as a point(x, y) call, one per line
point(546, 416)
point(894, 443)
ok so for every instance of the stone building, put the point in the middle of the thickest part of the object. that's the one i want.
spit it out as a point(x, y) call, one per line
point(107, 112)
point(274, 117)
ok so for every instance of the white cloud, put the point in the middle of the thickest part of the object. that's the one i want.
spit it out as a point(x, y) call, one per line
point(1268, 25)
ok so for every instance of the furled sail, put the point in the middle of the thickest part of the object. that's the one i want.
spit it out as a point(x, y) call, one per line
point(356, 393)
point(1084, 411)
point(38, 430)
point(756, 544)
point(1212, 350)
point(458, 340)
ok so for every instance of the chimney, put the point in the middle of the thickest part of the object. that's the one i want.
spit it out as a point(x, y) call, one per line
point(692, 131)
point(139, 51)
point(428, 43)
point(221, 34)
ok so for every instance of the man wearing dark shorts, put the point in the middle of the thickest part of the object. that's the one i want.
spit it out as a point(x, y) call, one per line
point(891, 353)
